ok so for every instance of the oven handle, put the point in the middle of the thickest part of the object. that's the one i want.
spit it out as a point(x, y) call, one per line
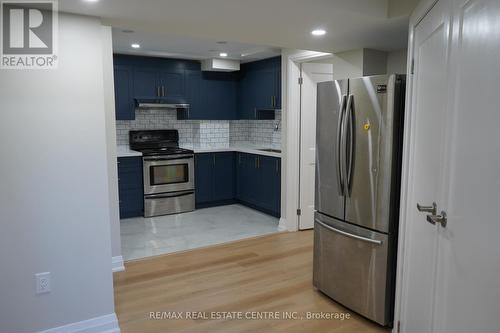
point(163, 195)
point(177, 157)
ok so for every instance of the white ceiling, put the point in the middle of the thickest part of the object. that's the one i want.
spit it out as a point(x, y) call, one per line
point(350, 24)
point(171, 46)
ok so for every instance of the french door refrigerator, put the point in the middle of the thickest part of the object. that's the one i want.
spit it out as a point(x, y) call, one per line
point(358, 166)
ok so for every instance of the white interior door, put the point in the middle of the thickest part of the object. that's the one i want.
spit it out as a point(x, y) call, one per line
point(429, 114)
point(312, 73)
point(452, 272)
point(468, 298)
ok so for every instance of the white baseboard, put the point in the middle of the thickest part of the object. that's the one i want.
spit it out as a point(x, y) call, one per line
point(282, 225)
point(103, 324)
point(117, 264)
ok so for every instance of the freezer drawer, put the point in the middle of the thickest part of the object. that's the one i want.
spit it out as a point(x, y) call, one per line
point(350, 266)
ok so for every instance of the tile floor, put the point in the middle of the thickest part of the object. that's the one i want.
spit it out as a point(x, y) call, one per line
point(144, 237)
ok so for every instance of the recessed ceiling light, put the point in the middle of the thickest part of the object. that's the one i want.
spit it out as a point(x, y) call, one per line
point(223, 54)
point(135, 45)
point(91, 0)
point(318, 32)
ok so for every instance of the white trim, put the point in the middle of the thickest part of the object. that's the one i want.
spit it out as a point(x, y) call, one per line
point(117, 264)
point(291, 60)
point(418, 14)
point(103, 324)
point(282, 225)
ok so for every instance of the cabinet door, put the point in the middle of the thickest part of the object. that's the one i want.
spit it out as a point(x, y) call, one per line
point(145, 82)
point(130, 186)
point(124, 103)
point(246, 95)
point(218, 95)
point(246, 178)
point(277, 186)
point(193, 95)
point(268, 170)
point(277, 92)
point(204, 177)
point(265, 88)
point(172, 83)
point(223, 176)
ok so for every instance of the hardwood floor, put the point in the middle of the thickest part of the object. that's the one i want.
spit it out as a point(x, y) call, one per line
point(267, 274)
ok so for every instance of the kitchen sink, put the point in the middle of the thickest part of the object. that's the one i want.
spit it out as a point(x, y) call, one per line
point(271, 150)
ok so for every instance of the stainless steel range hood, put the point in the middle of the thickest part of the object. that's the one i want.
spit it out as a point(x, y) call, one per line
point(161, 103)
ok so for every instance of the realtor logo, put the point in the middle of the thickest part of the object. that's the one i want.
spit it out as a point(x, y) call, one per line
point(29, 34)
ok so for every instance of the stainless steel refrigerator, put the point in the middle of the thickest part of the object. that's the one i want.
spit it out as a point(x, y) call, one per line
point(358, 168)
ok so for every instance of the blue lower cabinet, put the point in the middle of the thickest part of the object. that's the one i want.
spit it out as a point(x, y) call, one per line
point(224, 176)
point(259, 182)
point(203, 169)
point(215, 179)
point(130, 186)
point(228, 177)
point(247, 178)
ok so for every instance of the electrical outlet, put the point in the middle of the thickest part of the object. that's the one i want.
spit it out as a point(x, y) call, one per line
point(42, 282)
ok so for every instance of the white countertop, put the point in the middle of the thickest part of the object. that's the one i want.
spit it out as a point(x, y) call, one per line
point(124, 151)
point(237, 148)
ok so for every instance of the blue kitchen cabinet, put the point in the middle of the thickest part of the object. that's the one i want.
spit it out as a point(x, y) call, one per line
point(252, 93)
point(193, 97)
point(259, 182)
point(171, 83)
point(247, 178)
point(124, 104)
point(223, 176)
point(203, 177)
point(270, 184)
point(265, 87)
point(219, 95)
point(259, 90)
point(130, 186)
point(277, 80)
point(211, 95)
point(214, 174)
point(146, 84)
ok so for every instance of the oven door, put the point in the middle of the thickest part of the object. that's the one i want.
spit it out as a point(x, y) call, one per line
point(168, 174)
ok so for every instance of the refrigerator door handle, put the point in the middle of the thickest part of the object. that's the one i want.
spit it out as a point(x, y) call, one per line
point(349, 132)
point(340, 136)
point(361, 238)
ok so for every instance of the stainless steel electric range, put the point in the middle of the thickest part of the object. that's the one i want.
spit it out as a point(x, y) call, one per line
point(169, 185)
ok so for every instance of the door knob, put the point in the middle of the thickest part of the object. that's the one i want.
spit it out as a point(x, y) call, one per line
point(438, 219)
point(428, 209)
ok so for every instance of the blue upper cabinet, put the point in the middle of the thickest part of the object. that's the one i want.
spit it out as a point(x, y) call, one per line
point(247, 94)
point(145, 82)
point(124, 104)
point(193, 96)
point(259, 88)
point(218, 95)
point(171, 83)
point(211, 95)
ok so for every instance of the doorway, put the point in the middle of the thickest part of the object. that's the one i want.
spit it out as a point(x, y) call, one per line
point(311, 74)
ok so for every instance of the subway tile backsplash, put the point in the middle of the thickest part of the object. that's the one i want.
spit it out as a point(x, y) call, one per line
point(205, 133)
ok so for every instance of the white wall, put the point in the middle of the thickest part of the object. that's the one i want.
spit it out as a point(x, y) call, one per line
point(357, 63)
point(54, 199)
point(109, 100)
point(396, 61)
